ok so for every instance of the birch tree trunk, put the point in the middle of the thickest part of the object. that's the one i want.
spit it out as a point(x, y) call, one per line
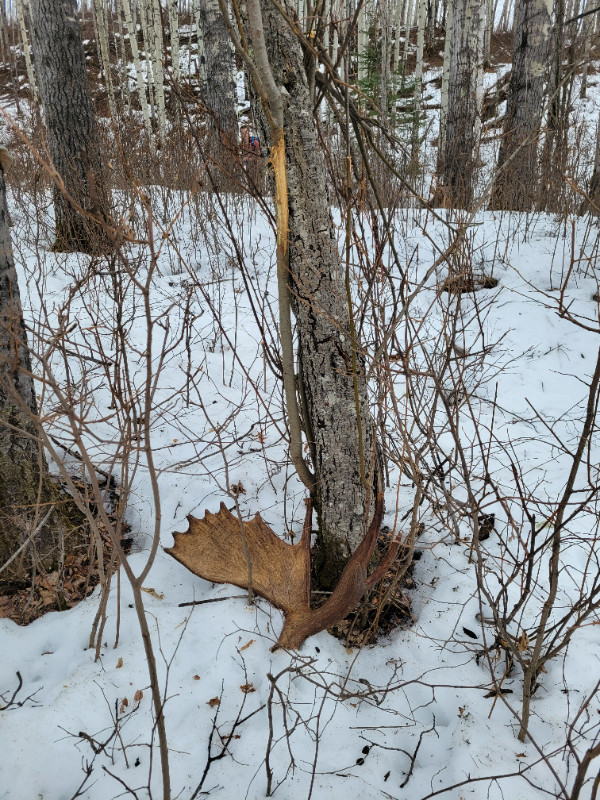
point(459, 156)
point(489, 29)
point(363, 41)
point(418, 78)
point(333, 391)
point(445, 82)
point(139, 78)
point(155, 36)
point(174, 31)
point(399, 10)
point(101, 18)
point(80, 204)
point(515, 186)
point(22, 12)
point(554, 149)
point(588, 28)
point(407, 27)
point(197, 11)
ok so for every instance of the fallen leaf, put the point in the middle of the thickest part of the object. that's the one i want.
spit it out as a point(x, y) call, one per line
point(119, 663)
point(153, 592)
point(196, 677)
point(247, 688)
point(138, 696)
point(521, 755)
point(124, 704)
point(216, 701)
point(247, 645)
point(470, 633)
point(523, 642)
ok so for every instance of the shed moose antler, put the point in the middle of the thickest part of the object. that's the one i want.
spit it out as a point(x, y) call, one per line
point(212, 548)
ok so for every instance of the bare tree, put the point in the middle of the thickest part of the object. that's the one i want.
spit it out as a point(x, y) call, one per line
point(516, 181)
point(458, 158)
point(328, 396)
point(80, 204)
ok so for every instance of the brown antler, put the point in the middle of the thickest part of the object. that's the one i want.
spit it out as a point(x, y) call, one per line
point(212, 548)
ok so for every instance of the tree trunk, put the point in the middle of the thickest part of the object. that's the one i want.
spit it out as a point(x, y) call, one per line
point(407, 27)
point(550, 194)
point(515, 186)
point(445, 82)
point(29, 537)
point(174, 36)
point(139, 76)
point(418, 79)
point(459, 156)
point(80, 204)
point(21, 17)
point(331, 371)
point(591, 203)
point(219, 89)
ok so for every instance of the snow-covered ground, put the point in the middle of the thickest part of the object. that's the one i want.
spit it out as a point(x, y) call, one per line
point(409, 717)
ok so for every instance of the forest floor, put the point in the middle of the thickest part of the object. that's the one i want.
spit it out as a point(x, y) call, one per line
point(415, 715)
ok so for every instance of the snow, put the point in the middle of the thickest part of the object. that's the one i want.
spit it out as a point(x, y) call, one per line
point(422, 684)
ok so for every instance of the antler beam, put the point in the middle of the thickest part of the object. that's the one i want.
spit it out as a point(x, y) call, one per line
point(212, 548)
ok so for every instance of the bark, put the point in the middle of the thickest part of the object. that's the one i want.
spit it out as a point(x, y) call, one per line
point(157, 55)
point(515, 186)
point(407, 27)
point(362, 41)
point(399, 9)
point(80, 204)
point(139, 77)
point(25, 487)
point(550, 194)
point(459, 156)
point(445, 78)
point(174, 36)
point(21, 17)
point(102, 33)
point(332, 378)
point(219, 87)
point(591, 203)
point(418, 78)
point(489, 29)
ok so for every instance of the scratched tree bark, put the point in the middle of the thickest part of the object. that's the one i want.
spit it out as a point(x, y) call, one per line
point(331, 376)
